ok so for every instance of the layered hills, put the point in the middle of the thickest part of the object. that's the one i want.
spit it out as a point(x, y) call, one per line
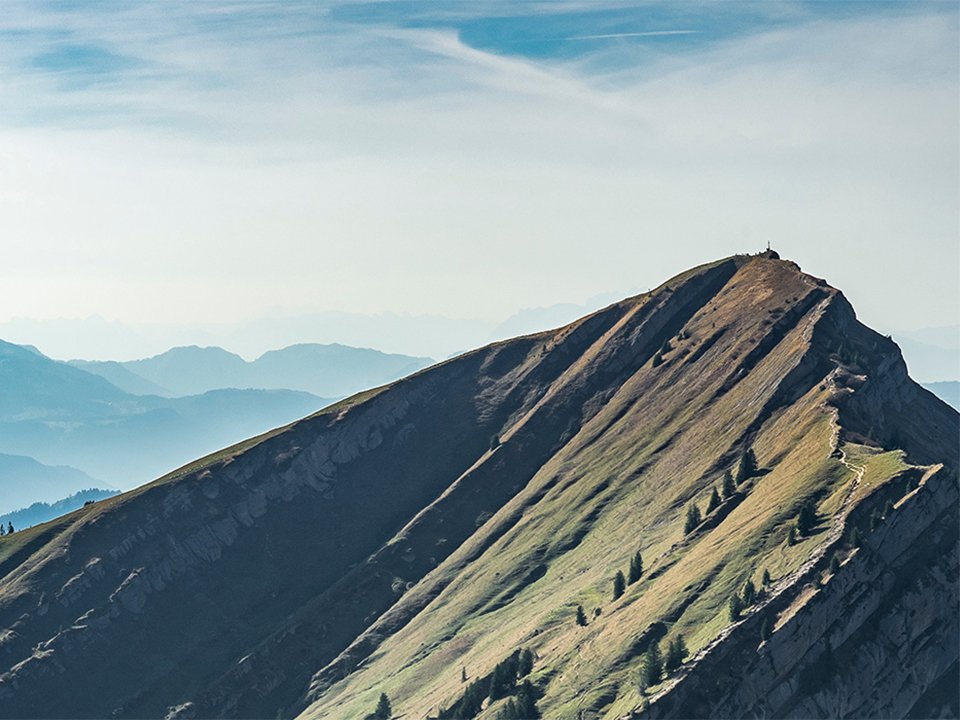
point(24, 481)
point(60, 415)
point(331, 371)
point(411, 538)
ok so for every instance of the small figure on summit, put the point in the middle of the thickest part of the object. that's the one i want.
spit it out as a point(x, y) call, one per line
point(770, 253)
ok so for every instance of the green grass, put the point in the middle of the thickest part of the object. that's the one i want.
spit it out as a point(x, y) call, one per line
point(653, 462)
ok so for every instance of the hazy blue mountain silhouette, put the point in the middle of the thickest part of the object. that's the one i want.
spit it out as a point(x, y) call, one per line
point(59, 414)
point(325, 370)
point(948, 391)
point(41, 512)
point(125, 379)
point(23, 481)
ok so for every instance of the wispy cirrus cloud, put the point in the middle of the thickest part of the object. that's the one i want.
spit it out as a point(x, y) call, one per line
point(649, 33)
point(185, 161)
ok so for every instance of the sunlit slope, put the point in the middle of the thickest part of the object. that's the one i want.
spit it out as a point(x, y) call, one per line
point(759, 366)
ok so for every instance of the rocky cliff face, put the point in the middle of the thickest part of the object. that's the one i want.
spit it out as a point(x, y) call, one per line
point(442, 522)
point(875, 639)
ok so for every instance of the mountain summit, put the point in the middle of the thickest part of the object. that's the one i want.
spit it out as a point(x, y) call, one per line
point(435, 538)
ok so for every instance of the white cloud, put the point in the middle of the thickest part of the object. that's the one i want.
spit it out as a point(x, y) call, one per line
point(378, 168)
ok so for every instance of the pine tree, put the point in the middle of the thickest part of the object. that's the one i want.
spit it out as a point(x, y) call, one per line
point(834, 565)
point(674, 655)
point(765, 581)
point(854, 537)
point(734, 608)
point(619, 584)
point(748, 466)
point(729, 487)
point(581, 616)
point(9, 528)
point(527, 701)
point(693, 518)
point(510, 711)
point(469, 704)
point(383, 711)
point(657, 360)
point(463, 674)
point(749, 593)
point(652, 671)
point(792, 536)
point(525, 663)
point(806, 518)
point(765, 630)
point(636, 568)
point(501, 681)
point(714, 502)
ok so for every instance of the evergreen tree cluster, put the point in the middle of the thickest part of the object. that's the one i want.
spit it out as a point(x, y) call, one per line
point(500, 683)
point(620, 582)
point(728, 488)
point(523, 706)
point(9, 530)
point(656, 665)
point(676, 653)
point(747, 596)
point(651, 671)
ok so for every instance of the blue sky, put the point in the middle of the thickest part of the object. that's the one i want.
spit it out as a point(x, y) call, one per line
point(217, 162)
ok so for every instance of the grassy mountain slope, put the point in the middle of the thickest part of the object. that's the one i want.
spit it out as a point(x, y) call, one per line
point(386, 542)
point(765, 364)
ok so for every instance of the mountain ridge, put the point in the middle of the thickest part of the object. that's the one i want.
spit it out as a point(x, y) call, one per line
point(58, 414)
point(326, 370)
point(509, 482)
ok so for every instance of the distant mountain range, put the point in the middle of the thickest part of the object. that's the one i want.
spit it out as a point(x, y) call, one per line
point(41, 512)
point(323, 370)
point(948, 391)
point(932, 354)
point(24, 481)
point(62, 415)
